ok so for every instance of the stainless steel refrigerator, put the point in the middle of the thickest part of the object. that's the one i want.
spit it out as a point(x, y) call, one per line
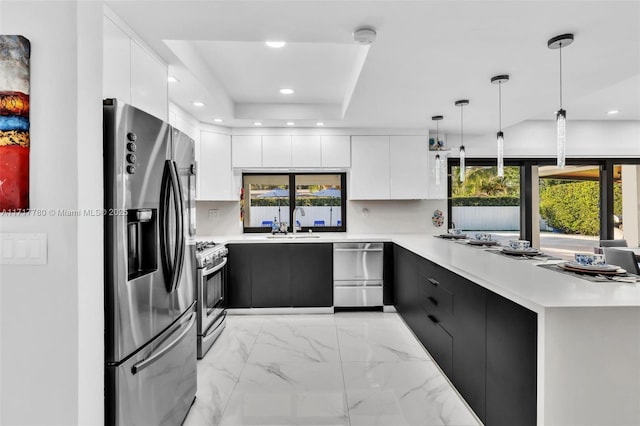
point(150, 318)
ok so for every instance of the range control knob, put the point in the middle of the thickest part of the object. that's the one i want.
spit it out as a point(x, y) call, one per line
point(131, 158)
point(131, 170)
point(131, 147)
point(132, 136)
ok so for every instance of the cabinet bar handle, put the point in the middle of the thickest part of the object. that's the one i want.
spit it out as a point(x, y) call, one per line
point(432, 300)
point(433, 281)
point(433, 319)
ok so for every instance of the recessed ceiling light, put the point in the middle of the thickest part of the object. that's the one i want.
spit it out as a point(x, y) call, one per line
point(613, 111)
point(257, 123)
point(172, 79)
point(198, 103)
point(287, 91)
point(319, 123)
point(218, 120)
point(290, 123)
point(275, 44)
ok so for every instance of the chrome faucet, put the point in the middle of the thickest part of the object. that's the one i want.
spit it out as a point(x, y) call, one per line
point(293, 225)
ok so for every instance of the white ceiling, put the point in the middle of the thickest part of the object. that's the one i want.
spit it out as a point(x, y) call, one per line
point(427, 55)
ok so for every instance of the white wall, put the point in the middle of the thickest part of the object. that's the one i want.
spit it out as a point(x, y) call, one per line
point(51, 315)
point(611, 138)
point(382, 217)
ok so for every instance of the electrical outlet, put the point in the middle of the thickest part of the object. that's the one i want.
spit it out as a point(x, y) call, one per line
point(213, 213)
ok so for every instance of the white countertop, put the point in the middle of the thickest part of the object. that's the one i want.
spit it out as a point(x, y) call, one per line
point(518, 280)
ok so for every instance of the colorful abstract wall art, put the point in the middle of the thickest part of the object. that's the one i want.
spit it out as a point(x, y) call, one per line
point(15, 51)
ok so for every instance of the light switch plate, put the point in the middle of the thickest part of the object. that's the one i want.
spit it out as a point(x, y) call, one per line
point(25, 249)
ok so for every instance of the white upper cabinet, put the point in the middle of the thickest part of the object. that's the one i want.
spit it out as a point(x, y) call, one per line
point(408, 168)
point(276, 151)
point(306, 151)
point(116, 55)
point(336, 151)
point(149, 90)
point(246, 151)
point(214, 177)
point(369, 168)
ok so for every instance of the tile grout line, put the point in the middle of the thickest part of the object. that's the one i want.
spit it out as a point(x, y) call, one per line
point(222, 412)
point(344, 382)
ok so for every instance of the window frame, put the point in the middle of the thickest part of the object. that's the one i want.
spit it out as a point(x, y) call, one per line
point(606, 166)
point(292, 199)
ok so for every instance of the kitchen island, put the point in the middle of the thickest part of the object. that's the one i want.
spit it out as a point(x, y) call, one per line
point(588, 333)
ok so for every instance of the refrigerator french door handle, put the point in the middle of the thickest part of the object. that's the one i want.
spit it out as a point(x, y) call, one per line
point(165, 252)
point(178, 203)
point(155, 357)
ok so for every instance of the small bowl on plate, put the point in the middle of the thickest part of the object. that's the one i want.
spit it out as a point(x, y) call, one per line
point(483, 237)
point(519, 244)
point(588, 259)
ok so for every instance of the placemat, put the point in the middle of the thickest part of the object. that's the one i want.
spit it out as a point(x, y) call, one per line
point(588, 277)
point(539, 256)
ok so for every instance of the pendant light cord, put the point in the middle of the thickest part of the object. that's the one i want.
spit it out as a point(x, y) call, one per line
point(461, 126)
point(500, 105)
point(560, 51)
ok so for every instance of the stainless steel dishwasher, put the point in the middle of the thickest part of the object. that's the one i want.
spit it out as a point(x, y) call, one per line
point(357, 274)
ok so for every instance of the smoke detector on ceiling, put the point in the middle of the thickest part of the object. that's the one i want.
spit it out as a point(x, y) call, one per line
point(364, 35)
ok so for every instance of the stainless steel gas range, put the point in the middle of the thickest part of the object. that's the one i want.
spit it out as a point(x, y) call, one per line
point(211, 292)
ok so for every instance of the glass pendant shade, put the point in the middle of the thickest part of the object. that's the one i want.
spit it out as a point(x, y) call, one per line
point(561, 122)
point(500, 141)
point(438, 166)
point(462, 165)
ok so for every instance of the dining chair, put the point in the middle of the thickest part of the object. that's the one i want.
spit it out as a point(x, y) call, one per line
point(609, 243)
point(623, 258)
point(268, 223)
point(318, 223)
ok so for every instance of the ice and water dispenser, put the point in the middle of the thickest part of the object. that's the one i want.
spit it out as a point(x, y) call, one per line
point(141, 242)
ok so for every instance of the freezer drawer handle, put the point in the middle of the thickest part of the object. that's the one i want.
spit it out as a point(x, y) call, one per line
point(432, 300)
point(360, 250)
point(147, 362)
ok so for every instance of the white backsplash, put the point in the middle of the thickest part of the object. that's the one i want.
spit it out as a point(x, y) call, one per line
point(390, 216)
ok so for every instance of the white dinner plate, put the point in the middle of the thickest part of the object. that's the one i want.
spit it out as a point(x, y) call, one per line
point(527, 251)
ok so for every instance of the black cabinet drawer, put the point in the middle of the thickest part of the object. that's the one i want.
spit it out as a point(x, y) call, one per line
point(436, 340)
point(435, 298)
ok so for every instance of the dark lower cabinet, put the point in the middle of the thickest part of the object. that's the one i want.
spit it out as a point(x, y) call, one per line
point(239, 275)
point(280, 275)
point(511, 363)
point(311, 274)
point(270, 276)
point(483, 342)
point(388, 275)
point(405, 277)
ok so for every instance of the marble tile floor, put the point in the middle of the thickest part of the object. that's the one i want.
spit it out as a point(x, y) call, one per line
point(353, 369)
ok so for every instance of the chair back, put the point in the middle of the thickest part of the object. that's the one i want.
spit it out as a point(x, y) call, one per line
point(613, 243)
point(623, 258)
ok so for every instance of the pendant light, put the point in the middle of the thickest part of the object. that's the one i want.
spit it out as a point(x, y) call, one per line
point(499, 79)
point(438, 164)
point(461, 103)
point(558, 42)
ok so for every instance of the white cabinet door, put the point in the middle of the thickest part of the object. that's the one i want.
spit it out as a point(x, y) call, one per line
point(276, 151)
point(215, 178)
point(306, 151)
point(408, 168)
point(116, 62)
point(336, 151)
point(438, 190)
point(246, 151)
point(149, 87)
point(369, 168)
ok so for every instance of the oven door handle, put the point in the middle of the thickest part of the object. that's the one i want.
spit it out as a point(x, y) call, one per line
point(216, 268)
